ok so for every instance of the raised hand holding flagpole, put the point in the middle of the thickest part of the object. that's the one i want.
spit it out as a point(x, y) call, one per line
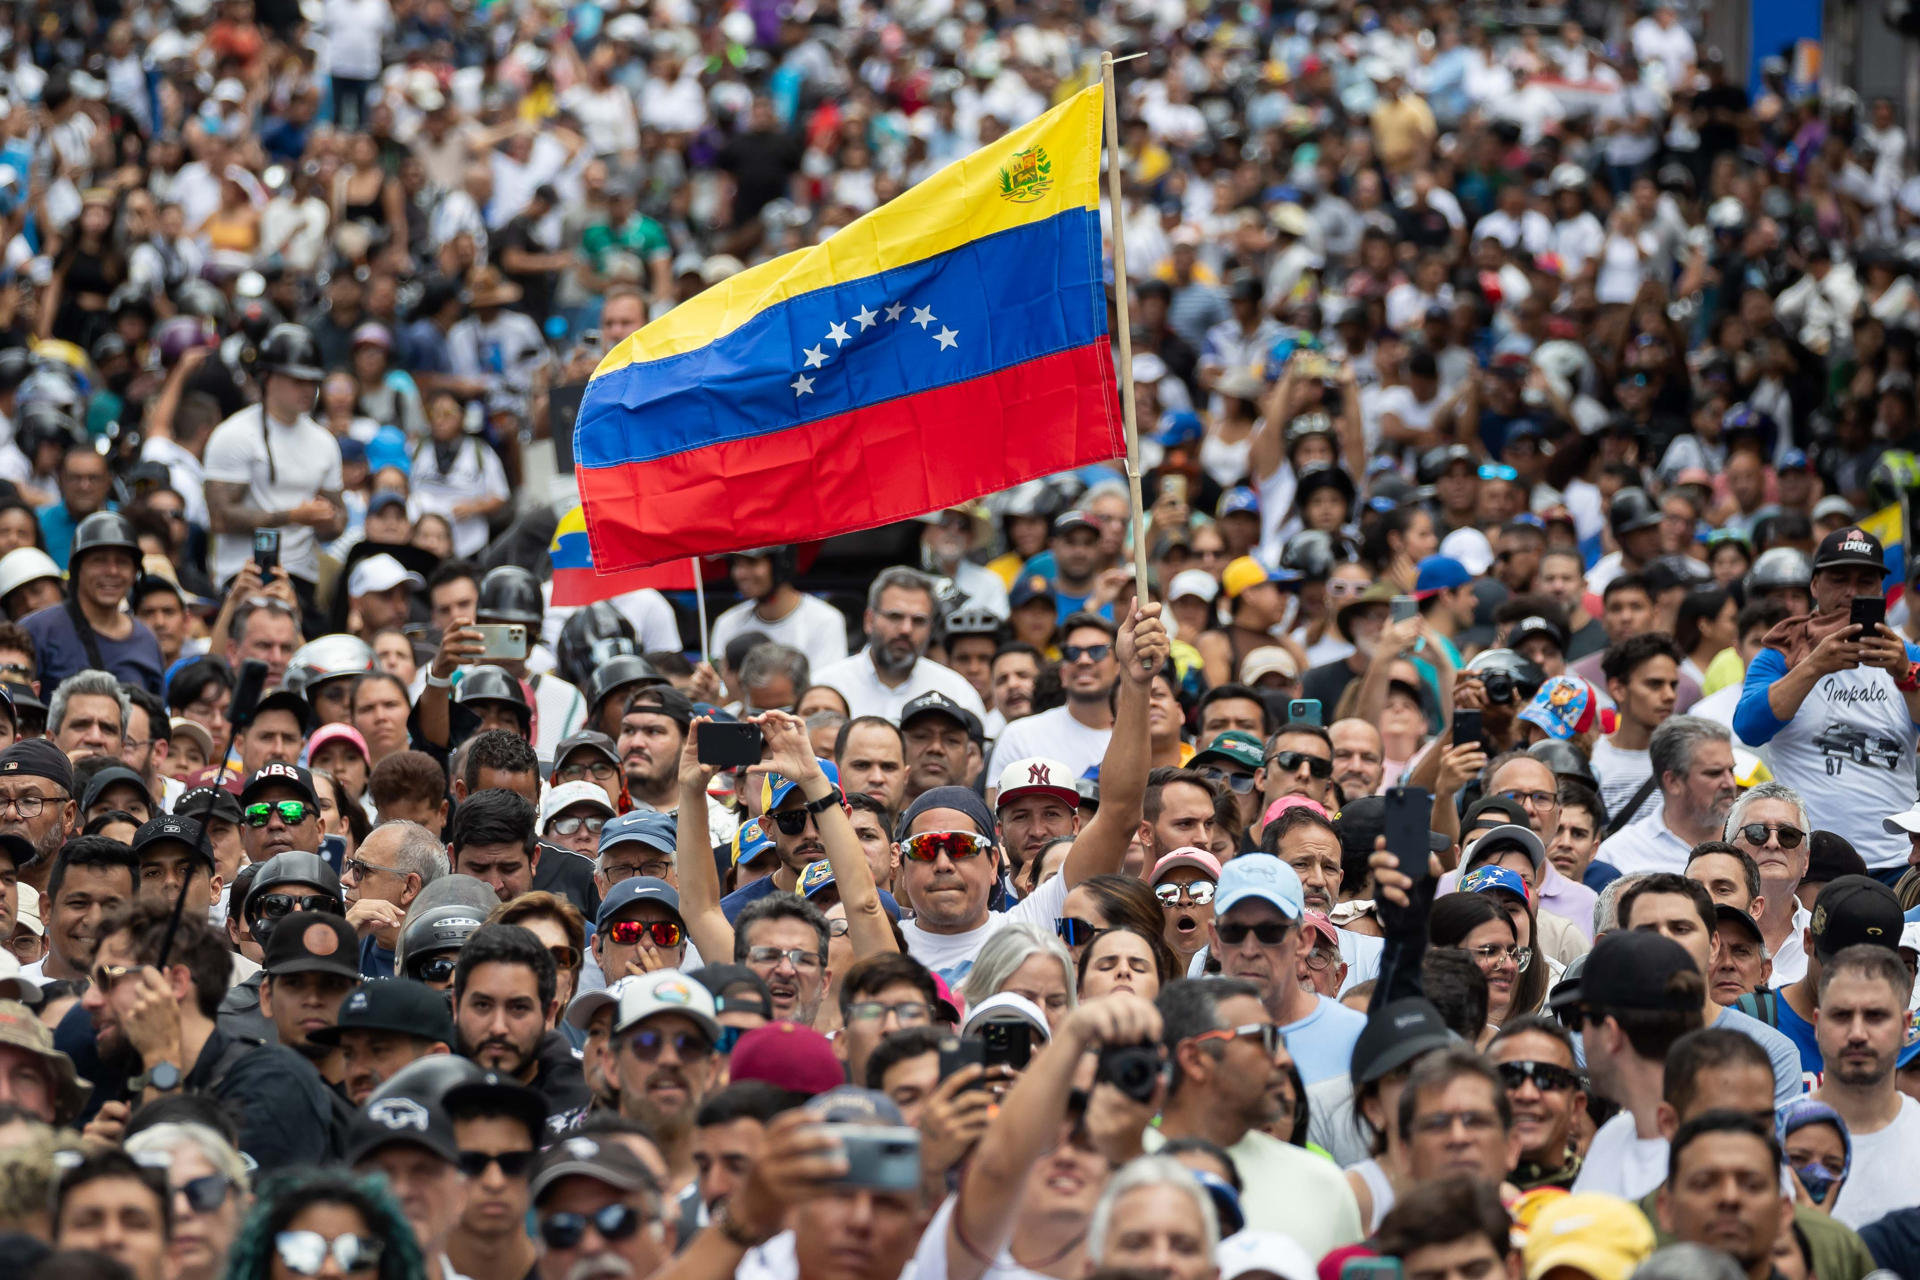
point(1124, 338)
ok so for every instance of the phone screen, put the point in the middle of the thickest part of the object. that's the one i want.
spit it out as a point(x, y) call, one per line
point(1409, 813)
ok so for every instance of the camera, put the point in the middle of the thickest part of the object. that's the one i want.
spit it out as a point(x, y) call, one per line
point(1133, 1069)
point(1499, 686)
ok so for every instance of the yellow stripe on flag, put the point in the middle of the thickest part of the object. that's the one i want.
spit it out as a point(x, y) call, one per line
point(970, 199)
point(1884, 524)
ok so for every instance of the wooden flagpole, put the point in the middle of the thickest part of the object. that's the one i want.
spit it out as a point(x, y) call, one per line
point(1125, 326)
point(700, 601)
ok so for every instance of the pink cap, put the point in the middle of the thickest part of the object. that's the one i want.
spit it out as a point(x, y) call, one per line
point(788, 1056)
point(1187, 856)
point(337, 733)
point(943, 995)
point(1285, 803)
point(1322, 926)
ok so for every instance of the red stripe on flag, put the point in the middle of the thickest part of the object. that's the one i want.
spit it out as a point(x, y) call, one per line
point(862, 469)
point(575, 587)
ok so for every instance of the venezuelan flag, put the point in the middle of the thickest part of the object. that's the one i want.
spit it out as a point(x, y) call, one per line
point(947, 345)
point(577, 582)
point(1885, 525)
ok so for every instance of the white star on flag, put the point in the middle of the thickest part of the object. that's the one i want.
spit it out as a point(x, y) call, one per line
point(923, 316)
point(802, 385)
point(866, 316)
point(837, 334)
point(815, 357)
point(946, 338)
point(894, 310)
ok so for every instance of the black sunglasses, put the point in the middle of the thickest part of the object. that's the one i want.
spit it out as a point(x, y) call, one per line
point(790, 821)
point(1270, 933)
point(565, 1230)
point(1547, 1077)
point(1755, 834)
point(204, 1194)
point(515, 1164)
point(1238, 783)
point(437, 968)
point(1074, 931)
point(273, 906)
point(1288, 761)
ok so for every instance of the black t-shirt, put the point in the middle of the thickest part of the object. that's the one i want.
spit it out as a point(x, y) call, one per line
point(1716, 136)
point(762, 164)
point(537, 285)
point(1327, 683)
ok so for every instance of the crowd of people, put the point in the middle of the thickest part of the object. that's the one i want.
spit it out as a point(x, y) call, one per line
point(1509, 758)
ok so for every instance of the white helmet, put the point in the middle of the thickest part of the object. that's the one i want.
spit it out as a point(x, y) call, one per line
point(23, 565)
point(1567, 177)
point(326, 657)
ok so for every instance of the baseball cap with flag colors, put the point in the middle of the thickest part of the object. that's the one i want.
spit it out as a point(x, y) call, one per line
point(1245, 573)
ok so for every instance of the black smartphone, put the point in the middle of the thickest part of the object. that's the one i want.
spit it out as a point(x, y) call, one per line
point(1409, 815)
point(1307, 709)
point(266, 551)
point(1008, 1044)
point(730, 746)
point(1467, 727)
point(1868, 613)
point(961, 1051)
point(1403, 608)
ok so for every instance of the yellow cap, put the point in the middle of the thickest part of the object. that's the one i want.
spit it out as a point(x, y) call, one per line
point(1241, 574)
point(1598, 1235)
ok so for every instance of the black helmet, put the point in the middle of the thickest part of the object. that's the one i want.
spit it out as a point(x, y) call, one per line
point(492, 684)
point(291, 350)
point(628, 668)
point(1565, 760)
point(1779, 567)
point(511, 594)
point(782, 559)
point(428, 1079)
point(15, 364)
point(1632, 511)
point(44, 422)
point(444, 928)
point(292, 867)
point(1314, 554)
point(257, 318)
point(103, 531)
point(590, 637)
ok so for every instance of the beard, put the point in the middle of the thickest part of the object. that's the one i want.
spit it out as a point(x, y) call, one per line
point(518, 1057)
point(894, 657)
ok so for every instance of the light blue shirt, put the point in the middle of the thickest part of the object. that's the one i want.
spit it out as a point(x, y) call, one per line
point(1322, 1042)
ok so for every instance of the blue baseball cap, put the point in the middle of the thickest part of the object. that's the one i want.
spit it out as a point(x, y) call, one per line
point(749, 842)
point(1032, 587)
point(636, 889)
point(655, 830)
point(1240, 498)
point(1485, 879)
point(1262, 876)
point(1794, 460)
point(779, 788)
point(1440, 573)
point(817, 876)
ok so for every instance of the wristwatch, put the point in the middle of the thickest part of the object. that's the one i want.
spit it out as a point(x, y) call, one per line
point(828, 801)
point(164, 1076)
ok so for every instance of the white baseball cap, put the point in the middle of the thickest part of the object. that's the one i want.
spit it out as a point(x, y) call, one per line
point(665, 991)
point(28, 912)
point(1193, 582)
point(1007, 1006)
point(1906, 822)
point(381, 573)
point(1037, 775)
point(568, 794)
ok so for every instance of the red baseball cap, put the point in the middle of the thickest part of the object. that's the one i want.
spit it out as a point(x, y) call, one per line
point(787, 1056)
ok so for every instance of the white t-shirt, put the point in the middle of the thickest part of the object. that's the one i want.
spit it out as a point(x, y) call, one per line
point(354, 31)
point(1882, 1178)
point(1621, 774)
point(1622, 1163)
point(1053, 733)
point(1718, 707)
point(1646, 845)
point(304, 462)
point(1290, 1190)
point(930, 1259)
point(951, 954)
point(475, 473)
point(814, 627)
point(860, 685)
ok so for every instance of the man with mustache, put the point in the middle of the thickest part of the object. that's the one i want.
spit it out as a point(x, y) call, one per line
point(1076, 732)
point(1692, 762)
point(1535, 1059)
point(503, 1004)
point(664, 1034)
point(410, 1142)
point(598, 1212)
point(382, 1026)
point(1864, 990)
point(1723, 1190)
point(795, 829)
point(37, 803)
point(893, 669)
point(938, 733)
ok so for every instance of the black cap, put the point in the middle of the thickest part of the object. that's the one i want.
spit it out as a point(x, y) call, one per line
point(497, 1095)
point(1830, 856)
point(1629, 969)
point(1362, 819)
point(274, 773)
point(313, 942)
point(289, 701)
point(111, 776)
point(582, 1157)
point(38, 758)
point(586, 738)
point(665, 700)
point(400, 1119)
point(19, 849)
point(1535, 625)
point(1731, 915)
point(170, 829)
point(1396, 1034)
point(392, 1004)
point(1512, 810)
point(206, 802)
point(935, 703)
point(1854, 910)
point(1849, 546)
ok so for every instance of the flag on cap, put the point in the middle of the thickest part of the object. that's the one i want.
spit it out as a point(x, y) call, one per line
point(949, 344)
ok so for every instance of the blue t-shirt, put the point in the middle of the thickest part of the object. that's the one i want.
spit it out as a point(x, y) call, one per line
point(1599, 875)
point(375, 960)
point(59, 652)
point(1322, 1042)
point(1800, 1031)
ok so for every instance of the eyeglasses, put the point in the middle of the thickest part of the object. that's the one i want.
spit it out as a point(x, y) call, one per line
point(25, 947)
point(31, 805)
point(957, 845)
point(359, 867)
point(1269, 933)
point(1289, 761)
point(1547, 1077)
point(1443, 1122)
point(565, 957)
point(273, 906)
point(598, 771)
point(662, 933)
point(689, 1045)
point(1755, 833)
point(1089, 652)
point(20, 669)
point(1345, 588)
point(1532, 799)
point(1498, 471)
point(729, 1037)
point(305, 1252)
point(1199, 893)
point(515, 1164)
point(292, 812)
point(1238, 783)
point(656, 867)
point(436, 968)
point(565, 1230)
point(790, 821)
point(1268, 1035)
point(1320, 961)
point(909, 1013)
point(1074, 931)
point(837, 927)
point(106, 975)
point(798, 957)
point(204, 1194)
point(1493, 953)
point(572, 826)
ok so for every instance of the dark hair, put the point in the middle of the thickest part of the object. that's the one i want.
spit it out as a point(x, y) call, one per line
point(1625, 582)
point(1455, 915)
point(185, 1107)
point(864, 803)
point(669, 662)
point(1581, 796)
point(744, 1100)
point(366, 678)
point(100, 822)
point(1164, 776)
point(873, 722)
point(1766, 614)
point(1127, 900)
point(1667, 882)
point(1455, 987)
point(871, 974)
point(494, 816)
point(500, 750)
point(191, 681)
point(897, 1046)
point(1190, 1007)
point(41, 1263)
point(452, 571)
point(1621, 660)
point(1520, 608)
point(1016, 646)
point(407, 775)
point(91, 851)
point(1701, 604)
point(1439, 1069)
point(506, 944)
point(1290, 821)
point(1719, 1120)
point(1165, 964)
point(1706, 1049)
point(1443, 1210)
point(1871, 961)
point(112, 1164)
point(777, 906)
point(1749, 869)
point(208, 960)
point(1087, 621)
point(1297, 727)
point(285, 1194)
point(1236, 692)
point(158, 726)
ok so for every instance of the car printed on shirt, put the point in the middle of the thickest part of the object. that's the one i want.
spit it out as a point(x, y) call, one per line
point(1858, 745)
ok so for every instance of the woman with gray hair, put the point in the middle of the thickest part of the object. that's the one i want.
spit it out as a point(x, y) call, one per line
point(211, 1193)
point(1154, 1216)
point(1029, 961)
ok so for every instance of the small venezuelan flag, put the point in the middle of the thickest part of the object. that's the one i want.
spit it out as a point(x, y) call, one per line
point(577, 582)
point(947, 345)
point(1885, 525)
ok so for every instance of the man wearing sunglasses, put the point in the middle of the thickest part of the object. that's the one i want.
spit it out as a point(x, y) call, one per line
point(598, 1212)
point(1298, 762)
point(386, 873)
point(664, 1059)
point(1534, 1056)
point(1075, 733)
point(499, 1127)
point(381, 1026)
point(279, 812)
point(572, 816)
point(409, 1141)
point(1232, 760)
point(1769, 823)
point(639, 928)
